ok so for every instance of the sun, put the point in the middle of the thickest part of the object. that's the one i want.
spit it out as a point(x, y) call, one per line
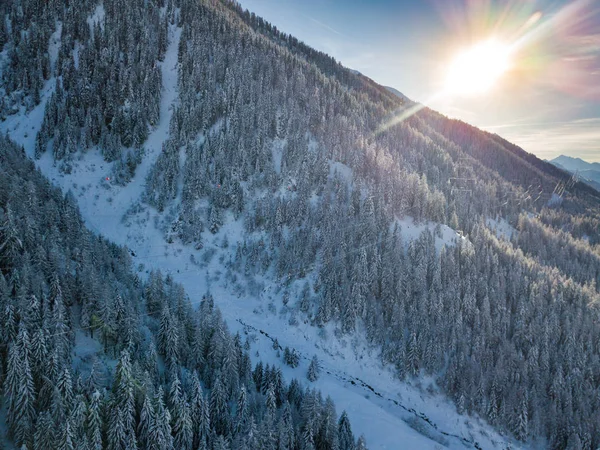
point(476, 70)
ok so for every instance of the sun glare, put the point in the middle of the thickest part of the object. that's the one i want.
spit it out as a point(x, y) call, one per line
point(478, 69)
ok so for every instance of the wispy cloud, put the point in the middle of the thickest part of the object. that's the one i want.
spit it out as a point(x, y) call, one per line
point(323, 25)
point(547, 140)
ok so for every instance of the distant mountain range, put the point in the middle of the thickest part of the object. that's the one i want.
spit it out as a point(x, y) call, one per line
point(588, 172)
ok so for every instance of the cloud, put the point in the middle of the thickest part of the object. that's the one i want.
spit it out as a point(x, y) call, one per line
point(589, 43)
point(579, 138)
point(323, 25)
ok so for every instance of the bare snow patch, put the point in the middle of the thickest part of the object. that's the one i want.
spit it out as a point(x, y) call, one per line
point(277, 154)
point(342, 170)
point(54, 46)
point(443, 234)
point(555, 200)
point(96, 17)
point(502, 228)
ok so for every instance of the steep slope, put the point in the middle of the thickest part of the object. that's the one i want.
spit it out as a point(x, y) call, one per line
point(76, 320)
point(383, 419)
point(278, 188)
point(104, 204)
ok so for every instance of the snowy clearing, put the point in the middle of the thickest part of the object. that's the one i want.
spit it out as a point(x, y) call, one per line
point(502, 228)
point(411, 231)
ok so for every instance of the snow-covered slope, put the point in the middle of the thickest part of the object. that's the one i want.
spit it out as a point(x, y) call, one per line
point(503, 229)
point(443, 234)
point(389, 413)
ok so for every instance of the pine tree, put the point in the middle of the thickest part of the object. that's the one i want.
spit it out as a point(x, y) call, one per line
point(252, 435)
point(241, 417)
point(314, 369)
point(219, 411)
point(168, 337)
point(522, 425)
point(286, 429)
point(121, 431)
point(25, 405)
point(200, 415)
point(291, 357)
point(345, 436)
point(64, 388)
point(182, 429)
point(412, 355)
point(44, 436)
point(361, 444)
point(12, 385)
point(146, 422)
point(94, 422)
point(221, 444)
point(160, 435)
point(308, 437)
point(65, 441)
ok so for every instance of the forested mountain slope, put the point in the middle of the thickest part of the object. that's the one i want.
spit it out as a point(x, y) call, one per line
point(92, 357)
point(258, 162)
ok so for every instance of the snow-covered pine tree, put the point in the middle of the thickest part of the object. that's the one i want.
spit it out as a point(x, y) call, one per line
point(314, 369)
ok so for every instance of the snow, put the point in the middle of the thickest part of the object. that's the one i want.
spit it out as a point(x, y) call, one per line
point(502, 228)
point(85, 350)
point(277, 154)
point(96, 17)
point(54, 46)
point(411, 231)
point(76, 50)
point(102, 203)
point(378, 405)
point(388, 412)
point(342, 170)
point(23, 127)
point(555, 200)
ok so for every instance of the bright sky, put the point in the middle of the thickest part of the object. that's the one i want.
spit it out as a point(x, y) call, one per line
point(545, 97)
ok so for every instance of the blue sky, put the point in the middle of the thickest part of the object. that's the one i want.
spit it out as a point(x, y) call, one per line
point(549, 103)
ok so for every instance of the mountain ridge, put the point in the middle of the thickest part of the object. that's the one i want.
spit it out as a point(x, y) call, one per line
point(589, 172)
point(276, 188)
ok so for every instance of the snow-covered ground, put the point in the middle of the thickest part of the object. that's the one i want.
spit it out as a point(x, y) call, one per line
point(502, 228)
point(445, 236)
point(97, 17)
point(341, 170)
point(391, 414)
